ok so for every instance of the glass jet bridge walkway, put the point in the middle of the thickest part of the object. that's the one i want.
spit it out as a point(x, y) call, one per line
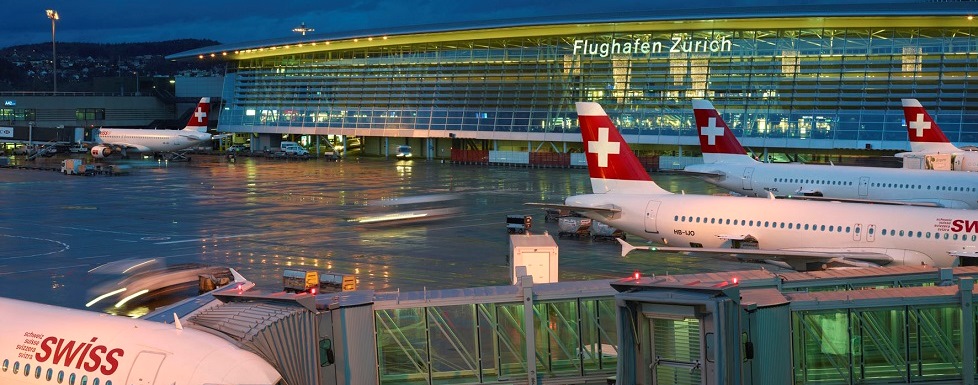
point(879, 325)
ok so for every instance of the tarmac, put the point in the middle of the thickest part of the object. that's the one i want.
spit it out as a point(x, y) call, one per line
point(260, 216)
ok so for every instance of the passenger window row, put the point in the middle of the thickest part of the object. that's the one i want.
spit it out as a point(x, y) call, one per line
point(814, 181)
point(767, 224)
point(877, 184)
point(49, 374)
point(921, 187)
point(928, 235)
point(817, 227)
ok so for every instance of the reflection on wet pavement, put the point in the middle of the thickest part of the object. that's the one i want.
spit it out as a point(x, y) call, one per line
point(260, 216)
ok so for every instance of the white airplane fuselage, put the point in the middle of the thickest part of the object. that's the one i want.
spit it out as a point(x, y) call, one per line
point(944, 188)
point(42, 344)
point(144, 140)
point(910, 235)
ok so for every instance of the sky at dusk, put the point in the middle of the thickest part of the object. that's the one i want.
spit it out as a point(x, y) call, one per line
point(119, 21)
point(113, 21)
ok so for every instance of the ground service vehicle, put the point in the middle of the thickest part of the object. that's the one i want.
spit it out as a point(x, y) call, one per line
point(293, 149)
point(403, 152)
point(518, 224)
point(299, 281)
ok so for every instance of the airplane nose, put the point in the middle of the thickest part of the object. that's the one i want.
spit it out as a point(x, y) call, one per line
point(237, 368)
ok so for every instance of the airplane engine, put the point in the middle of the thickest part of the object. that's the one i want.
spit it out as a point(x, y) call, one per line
point(99, 152)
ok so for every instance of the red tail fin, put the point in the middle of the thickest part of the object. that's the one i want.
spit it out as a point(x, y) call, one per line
point(198, 119)
point(920, 126)
point(715, 136)
point(608, 156)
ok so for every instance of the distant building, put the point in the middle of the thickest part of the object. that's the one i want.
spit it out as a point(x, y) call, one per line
point(793, 77)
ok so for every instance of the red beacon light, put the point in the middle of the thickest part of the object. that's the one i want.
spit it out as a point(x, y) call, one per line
point(312, 291)
point(735, 280)
point(636, 275)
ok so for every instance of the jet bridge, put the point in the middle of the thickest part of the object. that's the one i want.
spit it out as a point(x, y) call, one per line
point(522, 334)
point(893, 325)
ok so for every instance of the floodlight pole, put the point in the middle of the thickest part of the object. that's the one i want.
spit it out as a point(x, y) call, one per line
point(53, 15)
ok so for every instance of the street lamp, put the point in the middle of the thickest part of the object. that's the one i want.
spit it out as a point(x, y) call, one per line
point(53, 15)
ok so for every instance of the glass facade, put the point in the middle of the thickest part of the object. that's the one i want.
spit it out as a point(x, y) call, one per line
point(486, 343)
point(786, 82)
point(877, 345)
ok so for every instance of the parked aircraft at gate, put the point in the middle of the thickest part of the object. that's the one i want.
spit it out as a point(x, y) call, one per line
point(154, 141)
point(726, 164)
point(42, 344)
point(927, 138)
point(799, 234)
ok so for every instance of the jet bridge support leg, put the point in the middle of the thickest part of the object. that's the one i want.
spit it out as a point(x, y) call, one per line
point(526, 285)
point(965, 287)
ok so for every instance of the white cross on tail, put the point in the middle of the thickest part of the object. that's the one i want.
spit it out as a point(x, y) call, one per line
point(603, 147)
point(919, 125)
point(712, 132)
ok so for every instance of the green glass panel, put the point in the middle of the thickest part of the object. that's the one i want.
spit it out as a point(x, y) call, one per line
point(676, 346)
point(454, 344)
point(934, 336)
point(402, 346)
point(820, 341)
point(510, 342)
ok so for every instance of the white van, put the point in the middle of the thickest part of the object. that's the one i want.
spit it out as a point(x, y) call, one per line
point(293, 149)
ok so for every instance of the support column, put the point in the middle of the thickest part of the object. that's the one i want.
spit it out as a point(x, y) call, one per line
point(526, 283)
point(965, 287)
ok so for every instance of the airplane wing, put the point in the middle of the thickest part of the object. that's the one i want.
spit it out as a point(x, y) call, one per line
point(193, 305)
point(970, 253)
point(856, 200)
point(128, 146)
point(606, 210)
point(831, 258)
point(707, 174)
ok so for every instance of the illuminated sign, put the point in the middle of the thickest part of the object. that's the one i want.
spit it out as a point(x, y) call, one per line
point(6, 132)
point(677, 44)
point(9, 103)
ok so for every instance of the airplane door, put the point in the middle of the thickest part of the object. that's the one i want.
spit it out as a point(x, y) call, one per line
point(863, 186)
point(748, 175)
point(145, 369)
point(871, 233)
point(857, 232)
point(650, 212)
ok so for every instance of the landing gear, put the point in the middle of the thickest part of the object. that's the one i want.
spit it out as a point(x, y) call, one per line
point(174, 157)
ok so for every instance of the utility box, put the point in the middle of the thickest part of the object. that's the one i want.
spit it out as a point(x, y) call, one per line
point(918, 161)
point(538, 253)
point(72, 167)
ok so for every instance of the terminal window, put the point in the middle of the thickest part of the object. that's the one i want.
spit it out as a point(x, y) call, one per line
point(12, 114)
point(90, 114)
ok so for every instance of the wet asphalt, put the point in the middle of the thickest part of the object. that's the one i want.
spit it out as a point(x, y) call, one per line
point(260, 216)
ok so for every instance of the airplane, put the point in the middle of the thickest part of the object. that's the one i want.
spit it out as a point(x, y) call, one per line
point(168, 142)
point(795, 234)
point(727, 165)
point(927, 138)
point(47, 343)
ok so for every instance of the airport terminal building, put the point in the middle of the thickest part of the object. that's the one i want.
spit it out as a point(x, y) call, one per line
point(786, 78)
